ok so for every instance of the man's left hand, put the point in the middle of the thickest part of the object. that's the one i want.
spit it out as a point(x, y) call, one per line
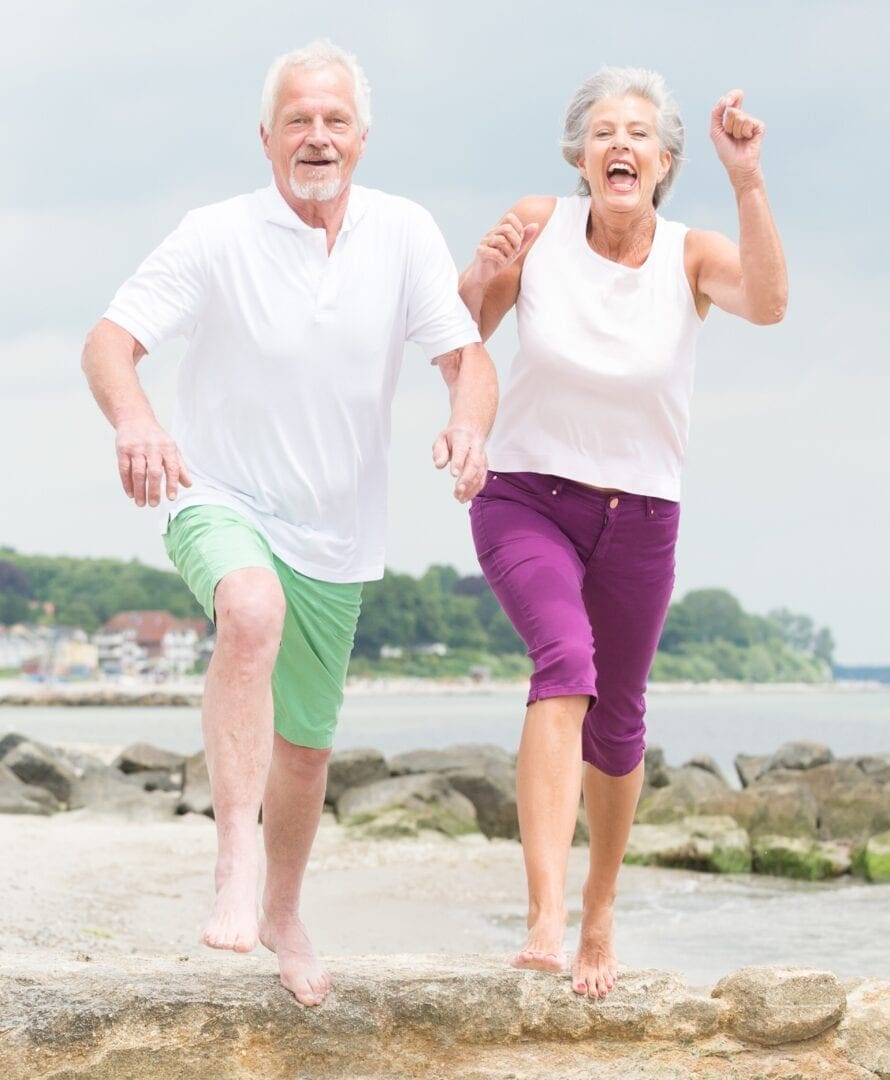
point(465, 449)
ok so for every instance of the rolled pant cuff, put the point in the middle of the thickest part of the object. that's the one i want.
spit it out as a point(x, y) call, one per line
point(614, 767)
point(542, 693)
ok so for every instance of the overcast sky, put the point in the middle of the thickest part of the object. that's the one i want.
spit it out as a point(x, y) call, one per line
point(119, 117)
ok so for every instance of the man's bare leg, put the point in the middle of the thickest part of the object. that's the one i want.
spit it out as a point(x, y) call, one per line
point(292, 807)
point(610, 802)
point(237, 723)
point(548, 789)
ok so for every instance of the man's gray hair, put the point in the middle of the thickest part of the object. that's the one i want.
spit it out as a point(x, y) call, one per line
point(318, 54)
point(618, 82)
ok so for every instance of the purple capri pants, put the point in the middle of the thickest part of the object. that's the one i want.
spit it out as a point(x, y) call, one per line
point(585, 577)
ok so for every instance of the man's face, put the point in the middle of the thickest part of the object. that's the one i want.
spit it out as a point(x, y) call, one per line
point(315, 141)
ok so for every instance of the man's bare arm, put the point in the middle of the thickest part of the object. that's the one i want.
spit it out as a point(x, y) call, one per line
point(473, 388)
point(147, 456)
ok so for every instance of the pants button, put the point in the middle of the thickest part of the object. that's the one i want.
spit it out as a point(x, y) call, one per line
point(553, 492)
point(613, 502)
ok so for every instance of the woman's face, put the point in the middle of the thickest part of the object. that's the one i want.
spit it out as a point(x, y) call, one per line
point(622, 160)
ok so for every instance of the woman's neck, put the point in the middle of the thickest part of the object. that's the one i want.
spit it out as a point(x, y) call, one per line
point(622, 238)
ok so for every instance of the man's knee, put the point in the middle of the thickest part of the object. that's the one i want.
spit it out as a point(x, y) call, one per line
point(250, 608)
point(306, 760)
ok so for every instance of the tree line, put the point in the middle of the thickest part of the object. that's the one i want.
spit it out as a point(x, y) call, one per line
point(707, 635)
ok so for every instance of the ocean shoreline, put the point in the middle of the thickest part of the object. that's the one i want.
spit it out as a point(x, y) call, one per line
point(188, 692)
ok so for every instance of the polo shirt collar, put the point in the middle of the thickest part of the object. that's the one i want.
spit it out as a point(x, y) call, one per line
point(276, 211)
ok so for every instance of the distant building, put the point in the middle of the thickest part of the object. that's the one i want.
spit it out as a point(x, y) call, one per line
point(20, 645)
point(136, 642)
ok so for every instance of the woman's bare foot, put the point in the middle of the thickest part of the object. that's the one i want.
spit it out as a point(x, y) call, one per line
point(595, 968)
point(301, 971)
point(543, 947)
point(232, 923)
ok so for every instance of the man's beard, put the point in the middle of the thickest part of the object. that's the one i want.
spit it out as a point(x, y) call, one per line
point(320, 190)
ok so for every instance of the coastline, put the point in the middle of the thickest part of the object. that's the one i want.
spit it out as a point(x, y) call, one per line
point(189, 691)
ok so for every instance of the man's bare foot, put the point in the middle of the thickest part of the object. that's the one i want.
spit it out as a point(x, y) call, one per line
point(595, 968)
point(301, 971)
point(543, 948)
point(232, 923)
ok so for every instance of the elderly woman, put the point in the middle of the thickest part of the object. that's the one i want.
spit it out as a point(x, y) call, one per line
point(576, 525)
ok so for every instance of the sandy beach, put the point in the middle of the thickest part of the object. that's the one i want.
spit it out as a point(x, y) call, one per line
point(79, 884)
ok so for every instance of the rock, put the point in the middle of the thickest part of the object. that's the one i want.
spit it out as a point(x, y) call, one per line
point(655, 771)
point(196, 797)
point(809, 860)
point(581, 835)
point(157, 780)
point(799, 755)
point(772, 1005)
point(17, 797)
point(706, 762)
point(34, 763)
point(460, 756)
point(687, 791)
point(768, 809)
point(491, 788)
point(749, 767)
point(875, 766)
point(427, 796)
point(864, 1033)
point(876, 860)
point(714, 844)
point(855, 812)
point(142, 757)
point(486, 775)
point(10, 740)
point(353, 768)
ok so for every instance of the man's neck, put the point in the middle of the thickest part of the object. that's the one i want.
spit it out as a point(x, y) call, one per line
point(327, 214)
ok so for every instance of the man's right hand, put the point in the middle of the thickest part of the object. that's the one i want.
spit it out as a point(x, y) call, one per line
point(501, 246)
point(147, 457)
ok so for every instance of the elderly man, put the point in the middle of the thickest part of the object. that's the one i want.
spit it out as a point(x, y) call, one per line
point(296, 301)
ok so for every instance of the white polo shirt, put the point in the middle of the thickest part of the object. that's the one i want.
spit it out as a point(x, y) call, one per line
point(284, 395)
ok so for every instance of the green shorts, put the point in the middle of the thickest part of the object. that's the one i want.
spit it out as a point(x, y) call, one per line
point(207, 542)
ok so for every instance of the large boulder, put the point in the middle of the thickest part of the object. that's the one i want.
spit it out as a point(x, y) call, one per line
point(749, 767)
point(768, 809)
point(799, 755)
point(809, 860)
point(875, 766)
point(876, 858)
point(855, 812)
point(353, 768)
point(689, 788)
point(459, 756)
point(428, 797)
point(143, 757)
point(655, 770)
point(34, 763)
point(196, 797)
point(17, 797)
point(485, 774)
point(709, 764)
point(772, 1005)
point(714, 844)
point(864, 1032)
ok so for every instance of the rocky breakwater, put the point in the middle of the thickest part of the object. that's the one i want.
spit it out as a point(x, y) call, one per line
point(800, 813)
point(434, 1017)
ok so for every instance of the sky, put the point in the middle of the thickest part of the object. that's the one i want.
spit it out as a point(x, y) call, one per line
point(117, 118)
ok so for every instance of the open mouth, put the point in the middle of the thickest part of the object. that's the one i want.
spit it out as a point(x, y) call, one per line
point(621, 176)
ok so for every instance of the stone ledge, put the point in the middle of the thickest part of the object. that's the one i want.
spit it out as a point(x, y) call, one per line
point(390, 1016)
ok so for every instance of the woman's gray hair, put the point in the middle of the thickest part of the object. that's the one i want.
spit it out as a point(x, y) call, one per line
point(618, 82)
point(318, 54)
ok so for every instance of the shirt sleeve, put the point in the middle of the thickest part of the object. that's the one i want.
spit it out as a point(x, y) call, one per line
point(437, 319)
point(164, 298)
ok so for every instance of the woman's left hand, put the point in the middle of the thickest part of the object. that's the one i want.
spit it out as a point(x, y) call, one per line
point(738, 137)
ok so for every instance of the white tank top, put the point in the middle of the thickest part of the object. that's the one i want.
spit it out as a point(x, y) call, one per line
point(600, 389)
